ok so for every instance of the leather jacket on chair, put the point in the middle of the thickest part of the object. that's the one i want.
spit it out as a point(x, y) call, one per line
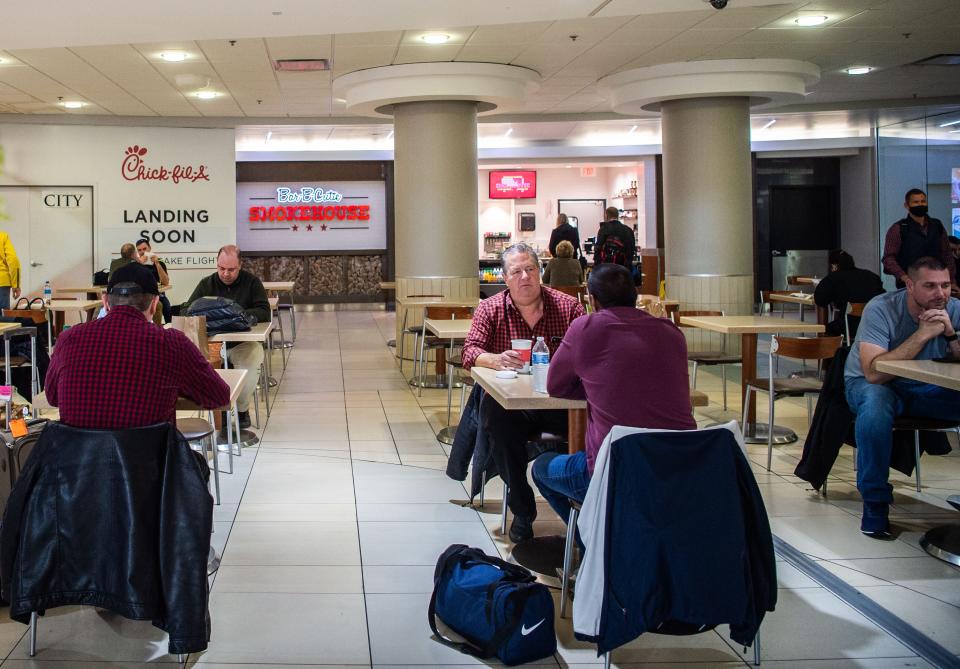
point(117, 519)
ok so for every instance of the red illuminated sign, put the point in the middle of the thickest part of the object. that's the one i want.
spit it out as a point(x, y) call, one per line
point(352, 212)
point(513, 184)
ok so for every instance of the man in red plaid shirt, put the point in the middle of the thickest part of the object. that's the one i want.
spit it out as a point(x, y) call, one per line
point(122, 370)
point(526, 310)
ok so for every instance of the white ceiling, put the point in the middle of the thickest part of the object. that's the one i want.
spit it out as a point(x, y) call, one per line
point(113, 65)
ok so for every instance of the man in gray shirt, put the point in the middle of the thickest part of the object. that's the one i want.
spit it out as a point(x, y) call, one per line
point(919, 322)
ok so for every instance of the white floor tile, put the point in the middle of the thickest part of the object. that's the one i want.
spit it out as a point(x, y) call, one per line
point(302, 543)
point(287, 628)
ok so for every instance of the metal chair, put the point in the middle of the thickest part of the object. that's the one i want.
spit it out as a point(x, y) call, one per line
point(709, 358)
point(854, 309)
point(436, 343)
point(199, 431)
point(669, 628)
point(917, 424)
point(799, 348)
point(415, 330)
point(765, 301)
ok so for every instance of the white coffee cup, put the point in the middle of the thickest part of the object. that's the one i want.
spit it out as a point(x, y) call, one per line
point(522, 347)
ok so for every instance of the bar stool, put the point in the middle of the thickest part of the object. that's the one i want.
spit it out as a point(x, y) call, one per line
point(415, 330)
point(436, 343)
point(198, 431)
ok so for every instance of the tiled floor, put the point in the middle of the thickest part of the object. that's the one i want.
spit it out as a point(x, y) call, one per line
point(330, 529)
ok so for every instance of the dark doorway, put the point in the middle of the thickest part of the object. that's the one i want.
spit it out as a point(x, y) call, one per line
point(804, 225)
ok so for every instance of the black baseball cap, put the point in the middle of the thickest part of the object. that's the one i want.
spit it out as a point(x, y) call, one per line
point(136, 273)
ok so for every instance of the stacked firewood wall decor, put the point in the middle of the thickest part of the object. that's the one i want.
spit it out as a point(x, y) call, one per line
point(323, 278)
point(363, 275)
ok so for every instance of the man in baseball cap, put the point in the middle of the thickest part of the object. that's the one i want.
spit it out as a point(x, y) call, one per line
point(123, 371)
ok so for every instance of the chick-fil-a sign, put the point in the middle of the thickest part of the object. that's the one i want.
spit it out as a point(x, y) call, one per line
point(134, 168)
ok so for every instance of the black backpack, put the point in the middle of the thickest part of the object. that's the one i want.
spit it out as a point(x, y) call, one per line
point(612, 251)
point(222, 314)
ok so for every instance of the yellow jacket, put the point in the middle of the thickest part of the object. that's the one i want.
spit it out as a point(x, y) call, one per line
point(9, 264)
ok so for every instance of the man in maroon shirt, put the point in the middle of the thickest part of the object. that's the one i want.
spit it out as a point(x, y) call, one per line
point(631, 368)
point(526, 310)
point(122, 370)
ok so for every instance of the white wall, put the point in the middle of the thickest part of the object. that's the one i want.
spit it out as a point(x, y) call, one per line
point(553, 183)
point(50, 155)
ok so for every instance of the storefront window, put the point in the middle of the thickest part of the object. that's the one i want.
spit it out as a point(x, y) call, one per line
point(921, 153)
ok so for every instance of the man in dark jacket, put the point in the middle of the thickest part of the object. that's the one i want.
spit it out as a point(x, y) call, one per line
point(914, 237)
point(615, 241)
point(246, 290)
point(845, 283)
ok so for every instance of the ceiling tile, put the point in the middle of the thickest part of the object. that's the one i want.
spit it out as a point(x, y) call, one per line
point(588, 31)
point(10, 94)
point(309, 46)
point(426, 53)
point(745, 18)
point(350, 58)
point(670, 20)
point(385, 38)
point(489, 53)
point(510, 34)
point(547, 59)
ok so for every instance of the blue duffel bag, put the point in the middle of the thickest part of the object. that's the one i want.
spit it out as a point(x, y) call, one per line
point(497, 607)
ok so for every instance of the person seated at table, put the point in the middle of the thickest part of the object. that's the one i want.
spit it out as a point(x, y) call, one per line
point(128, 254)
point(629, 366)
point(123, 371)
point(918, 322)
point(526, 310)
point(563, 270)
point(845, 283)
point(158, 268)
point(246, 290)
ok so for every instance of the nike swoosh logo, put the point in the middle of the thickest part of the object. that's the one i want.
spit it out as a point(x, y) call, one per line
point(524, 630)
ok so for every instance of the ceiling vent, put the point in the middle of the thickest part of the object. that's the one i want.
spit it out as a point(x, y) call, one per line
point(302, 65)
point(940, 59)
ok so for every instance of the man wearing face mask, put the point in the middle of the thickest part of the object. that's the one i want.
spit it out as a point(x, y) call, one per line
point(914, 237)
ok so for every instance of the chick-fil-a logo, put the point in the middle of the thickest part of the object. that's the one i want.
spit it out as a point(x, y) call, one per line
point(134, 169)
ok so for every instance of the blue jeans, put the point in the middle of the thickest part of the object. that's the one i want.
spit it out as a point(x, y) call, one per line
point(4, 297)
point(876, 405)
point(561, 477)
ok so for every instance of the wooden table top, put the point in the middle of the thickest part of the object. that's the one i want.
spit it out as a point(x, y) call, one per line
point(258, 333)
point(66, 305)
point(234, 379)
point(282, 286)
point(943, 374)
point(97, 289)
point(438, 301)
point(806, 281)
point(9, 326)
point(805, 299)
point(751, 324)
point(449, 328)
point(518, 393)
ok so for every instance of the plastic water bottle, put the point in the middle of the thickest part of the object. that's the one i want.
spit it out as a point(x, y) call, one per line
point(47, 292)
point(540, 363)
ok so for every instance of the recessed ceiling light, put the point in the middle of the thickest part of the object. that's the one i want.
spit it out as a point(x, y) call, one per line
point(73, 104)
point(949, 123)
point(173, 56)
point(858, 69)
point(632, 130)
point(811, 20)
point(390, 134)
point(206, 95)
point(435, 38)
point(508, 132)
point(769, 123)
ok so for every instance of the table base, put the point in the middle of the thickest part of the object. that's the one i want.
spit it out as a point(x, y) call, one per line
point(392, 343)
point(757, 434)
point(247, 438)
point(273, 382)
point(943, 543)
point(543, 556)
point(447, 434)
point(287, 344)
point(434, 381)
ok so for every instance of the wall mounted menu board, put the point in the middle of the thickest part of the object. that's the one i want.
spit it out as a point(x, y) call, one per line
point(311, 216)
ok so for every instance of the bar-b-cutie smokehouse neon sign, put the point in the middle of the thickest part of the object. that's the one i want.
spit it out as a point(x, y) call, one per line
point(309, 204)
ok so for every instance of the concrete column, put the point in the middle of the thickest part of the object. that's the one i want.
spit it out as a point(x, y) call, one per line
point(708, 204)
point(435, 159)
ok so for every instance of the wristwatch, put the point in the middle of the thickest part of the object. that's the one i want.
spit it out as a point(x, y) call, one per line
point(951, 338)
